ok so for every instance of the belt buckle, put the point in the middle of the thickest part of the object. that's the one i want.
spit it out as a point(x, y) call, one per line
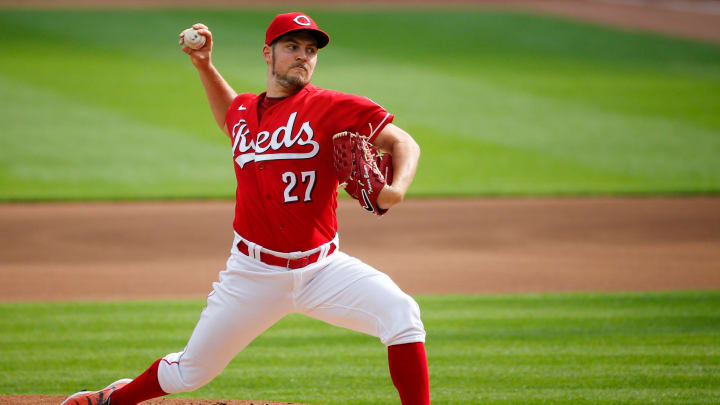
point(292, 256)
point(298, 263)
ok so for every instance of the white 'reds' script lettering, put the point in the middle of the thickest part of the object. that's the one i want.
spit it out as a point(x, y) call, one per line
point(280, 139)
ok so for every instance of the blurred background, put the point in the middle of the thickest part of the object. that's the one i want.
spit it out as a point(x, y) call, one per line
point(519, 107)
point(506, 98)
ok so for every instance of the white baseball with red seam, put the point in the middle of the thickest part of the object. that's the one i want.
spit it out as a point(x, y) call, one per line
point(193, 39)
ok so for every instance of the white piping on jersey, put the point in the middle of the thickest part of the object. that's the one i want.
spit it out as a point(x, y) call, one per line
point(379, 125)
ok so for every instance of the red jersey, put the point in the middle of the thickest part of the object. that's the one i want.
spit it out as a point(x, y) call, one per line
point(286, 184)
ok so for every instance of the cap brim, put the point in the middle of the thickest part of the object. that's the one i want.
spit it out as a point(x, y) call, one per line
point(322, 38)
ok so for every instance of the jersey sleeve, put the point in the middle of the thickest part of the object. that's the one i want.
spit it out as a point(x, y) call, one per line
point(231, 112)
point(361, 115)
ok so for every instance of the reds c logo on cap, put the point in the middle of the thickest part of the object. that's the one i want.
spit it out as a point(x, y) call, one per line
point(302, 20)
point(285, 23)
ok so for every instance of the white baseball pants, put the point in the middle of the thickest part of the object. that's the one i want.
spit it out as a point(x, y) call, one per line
point(251, 296)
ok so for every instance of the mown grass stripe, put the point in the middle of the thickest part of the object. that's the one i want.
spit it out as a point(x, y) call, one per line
point(604, 348)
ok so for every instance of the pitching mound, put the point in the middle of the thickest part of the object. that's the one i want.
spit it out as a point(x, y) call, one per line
point(56, 399)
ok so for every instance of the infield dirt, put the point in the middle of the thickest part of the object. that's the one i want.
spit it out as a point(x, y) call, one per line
point(175, 249)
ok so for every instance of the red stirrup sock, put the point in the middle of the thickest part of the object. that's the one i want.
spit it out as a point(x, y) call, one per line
point(142, 388)
point(409, 373)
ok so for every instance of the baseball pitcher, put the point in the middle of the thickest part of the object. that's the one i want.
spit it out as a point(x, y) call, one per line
point(292, 147)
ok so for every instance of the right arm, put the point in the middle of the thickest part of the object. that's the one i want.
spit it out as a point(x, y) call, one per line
point(219, 93)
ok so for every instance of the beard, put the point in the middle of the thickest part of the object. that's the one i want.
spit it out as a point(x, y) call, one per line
point(293, 81)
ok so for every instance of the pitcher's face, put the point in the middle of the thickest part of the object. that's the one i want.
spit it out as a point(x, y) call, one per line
point(292, 59)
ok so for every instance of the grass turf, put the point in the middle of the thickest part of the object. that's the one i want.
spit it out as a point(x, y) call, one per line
point(579, 348)
point(101, 104)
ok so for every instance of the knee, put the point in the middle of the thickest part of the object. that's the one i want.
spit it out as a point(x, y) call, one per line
point(177, 374)
point(192, 381)
point(403, 324)
point(193, 375)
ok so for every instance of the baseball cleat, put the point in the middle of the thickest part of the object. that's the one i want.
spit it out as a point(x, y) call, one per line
point(101, 397)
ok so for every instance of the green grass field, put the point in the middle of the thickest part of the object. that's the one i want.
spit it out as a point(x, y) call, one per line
point(620, 348)
point(103, 105)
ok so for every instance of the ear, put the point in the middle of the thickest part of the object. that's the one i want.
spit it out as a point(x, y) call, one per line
point(267, 54)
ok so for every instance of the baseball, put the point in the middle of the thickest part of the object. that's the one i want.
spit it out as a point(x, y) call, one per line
point(193, 39)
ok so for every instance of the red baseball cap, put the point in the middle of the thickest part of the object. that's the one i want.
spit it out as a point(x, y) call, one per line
point(286, 23)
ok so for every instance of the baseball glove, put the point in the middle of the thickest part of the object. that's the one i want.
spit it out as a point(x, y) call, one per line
point(361, 169)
